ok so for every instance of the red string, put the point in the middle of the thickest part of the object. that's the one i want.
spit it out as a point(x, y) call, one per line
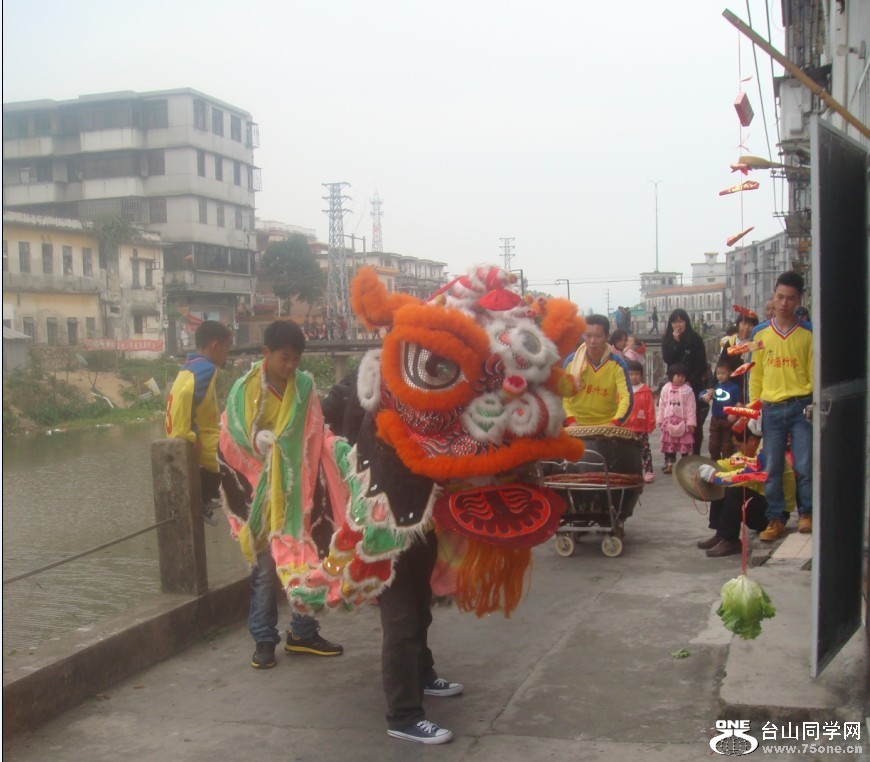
point(745, 539)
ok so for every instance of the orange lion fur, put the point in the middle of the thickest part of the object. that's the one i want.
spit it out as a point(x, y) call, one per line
point(562, 325)
point(371, 302)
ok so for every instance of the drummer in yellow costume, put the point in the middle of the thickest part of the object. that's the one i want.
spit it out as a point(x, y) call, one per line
point(604, 396)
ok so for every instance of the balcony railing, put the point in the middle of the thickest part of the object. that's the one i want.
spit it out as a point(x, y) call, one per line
point(79, 284)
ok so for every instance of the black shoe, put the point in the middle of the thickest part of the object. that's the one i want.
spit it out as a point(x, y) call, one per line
point(314, 645)
point(725, 548)
point(264, 656)
point(710, 543)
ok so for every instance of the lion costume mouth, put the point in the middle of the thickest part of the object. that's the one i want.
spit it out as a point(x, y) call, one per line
point(510, 516)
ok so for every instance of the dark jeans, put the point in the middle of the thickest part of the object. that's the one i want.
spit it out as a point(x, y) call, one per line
point(726, 514)
point(210, 483)
point(263, 616)
point(406, 661)
point(781, 420)
point(701, 410)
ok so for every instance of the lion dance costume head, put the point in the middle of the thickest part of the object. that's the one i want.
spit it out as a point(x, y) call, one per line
point(460, 405)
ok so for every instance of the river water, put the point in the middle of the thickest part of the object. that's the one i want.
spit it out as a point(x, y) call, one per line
point(68, 492)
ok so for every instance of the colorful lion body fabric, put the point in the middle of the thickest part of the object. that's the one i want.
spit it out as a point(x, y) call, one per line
point(458, 408)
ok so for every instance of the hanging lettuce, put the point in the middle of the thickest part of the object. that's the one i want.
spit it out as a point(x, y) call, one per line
point(744, 605)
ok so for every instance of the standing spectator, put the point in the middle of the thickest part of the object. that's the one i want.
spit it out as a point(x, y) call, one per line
point(642, 419)
point(635, 350)
point(655, 320)
point(726, 393)
point(618, 341)
point(192, 408)
point(782, 378)
point(682, 345)
point(676, 416)
point(769, 308)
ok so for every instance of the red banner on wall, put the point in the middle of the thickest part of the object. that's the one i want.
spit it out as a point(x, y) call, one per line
point(125, 345)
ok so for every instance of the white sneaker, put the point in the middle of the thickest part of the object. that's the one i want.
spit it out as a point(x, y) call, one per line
point(423, 732)
point(441, 687)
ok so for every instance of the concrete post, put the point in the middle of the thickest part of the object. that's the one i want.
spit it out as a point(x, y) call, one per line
point(177, 492)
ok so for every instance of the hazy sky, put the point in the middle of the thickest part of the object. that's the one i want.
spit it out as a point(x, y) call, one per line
point(478, 120)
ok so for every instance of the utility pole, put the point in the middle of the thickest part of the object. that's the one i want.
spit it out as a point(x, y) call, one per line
point(337, 292)
point(567, 283)
point(508, 247)
point(656, 186)
point(377, 241)
point(608, 302)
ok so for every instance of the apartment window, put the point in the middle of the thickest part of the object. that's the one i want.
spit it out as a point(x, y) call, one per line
point(67, 260)
point(255, 179)
point(42, 124)
point(87, 262)
point(5, 257)
point(220, 215)
point(157, 209)
point(156, 163)
point(47, 258)
point(24, 256)
point(149, 275)
point(218, 167)
point(138, 324)
point(72, 331)
point(238, 218)
point(51, 331)
point(28, 326)
point(91, 327)
point(252, 135)
point(236, 128)
point(203, 211)
point(155, 114)
point(199, 114)
point(237, 173)
point(200, 163)
point(252, 220)
point(135, 282)
point(217, 121)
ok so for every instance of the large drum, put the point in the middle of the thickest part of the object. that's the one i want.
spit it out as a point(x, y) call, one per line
point(611, 469)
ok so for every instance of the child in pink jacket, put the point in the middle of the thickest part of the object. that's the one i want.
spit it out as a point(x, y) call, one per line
point(676, 417)
point(642, 419)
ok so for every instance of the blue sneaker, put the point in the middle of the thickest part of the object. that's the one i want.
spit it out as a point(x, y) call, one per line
point(441, 687)
point(423, 732)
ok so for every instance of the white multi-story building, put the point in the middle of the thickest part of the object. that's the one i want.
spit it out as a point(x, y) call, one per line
point(752, 270)
point(711, 270)
point(653, 281)
point(704, 302)
point(178, 162)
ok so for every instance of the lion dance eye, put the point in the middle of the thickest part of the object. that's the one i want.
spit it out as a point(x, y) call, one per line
point(424, 369)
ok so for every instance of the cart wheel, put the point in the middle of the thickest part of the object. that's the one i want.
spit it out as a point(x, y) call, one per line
point(611, 547)
point(564, 544)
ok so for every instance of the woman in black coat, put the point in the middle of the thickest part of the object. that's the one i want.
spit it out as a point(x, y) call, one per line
point(680, 344)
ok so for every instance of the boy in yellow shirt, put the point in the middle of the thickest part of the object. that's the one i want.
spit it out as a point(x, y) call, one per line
point(782, 378)
point(192, 408)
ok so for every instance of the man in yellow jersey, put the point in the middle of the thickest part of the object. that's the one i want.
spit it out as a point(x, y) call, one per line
point(192, 409)
point(782, 378)
point(604, 395)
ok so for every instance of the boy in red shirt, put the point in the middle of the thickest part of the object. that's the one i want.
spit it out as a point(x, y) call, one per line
point(642, 418)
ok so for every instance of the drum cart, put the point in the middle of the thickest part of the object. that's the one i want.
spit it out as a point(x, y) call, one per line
point(598, 499)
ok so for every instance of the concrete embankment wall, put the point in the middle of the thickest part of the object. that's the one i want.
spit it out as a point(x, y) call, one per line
point(58, 676)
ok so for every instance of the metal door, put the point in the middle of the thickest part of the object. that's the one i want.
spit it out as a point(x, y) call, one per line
point(840, 422)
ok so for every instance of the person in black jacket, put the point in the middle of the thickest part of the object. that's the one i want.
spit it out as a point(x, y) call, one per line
point(680, 344)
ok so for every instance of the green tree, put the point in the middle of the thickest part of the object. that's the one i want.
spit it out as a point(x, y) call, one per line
point(294, 272)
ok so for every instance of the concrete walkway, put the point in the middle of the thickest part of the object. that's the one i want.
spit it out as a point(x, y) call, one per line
point(582, 671)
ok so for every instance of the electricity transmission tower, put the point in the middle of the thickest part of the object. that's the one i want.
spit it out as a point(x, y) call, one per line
point(337, 293)
point(377, 241)
point(508, 245)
